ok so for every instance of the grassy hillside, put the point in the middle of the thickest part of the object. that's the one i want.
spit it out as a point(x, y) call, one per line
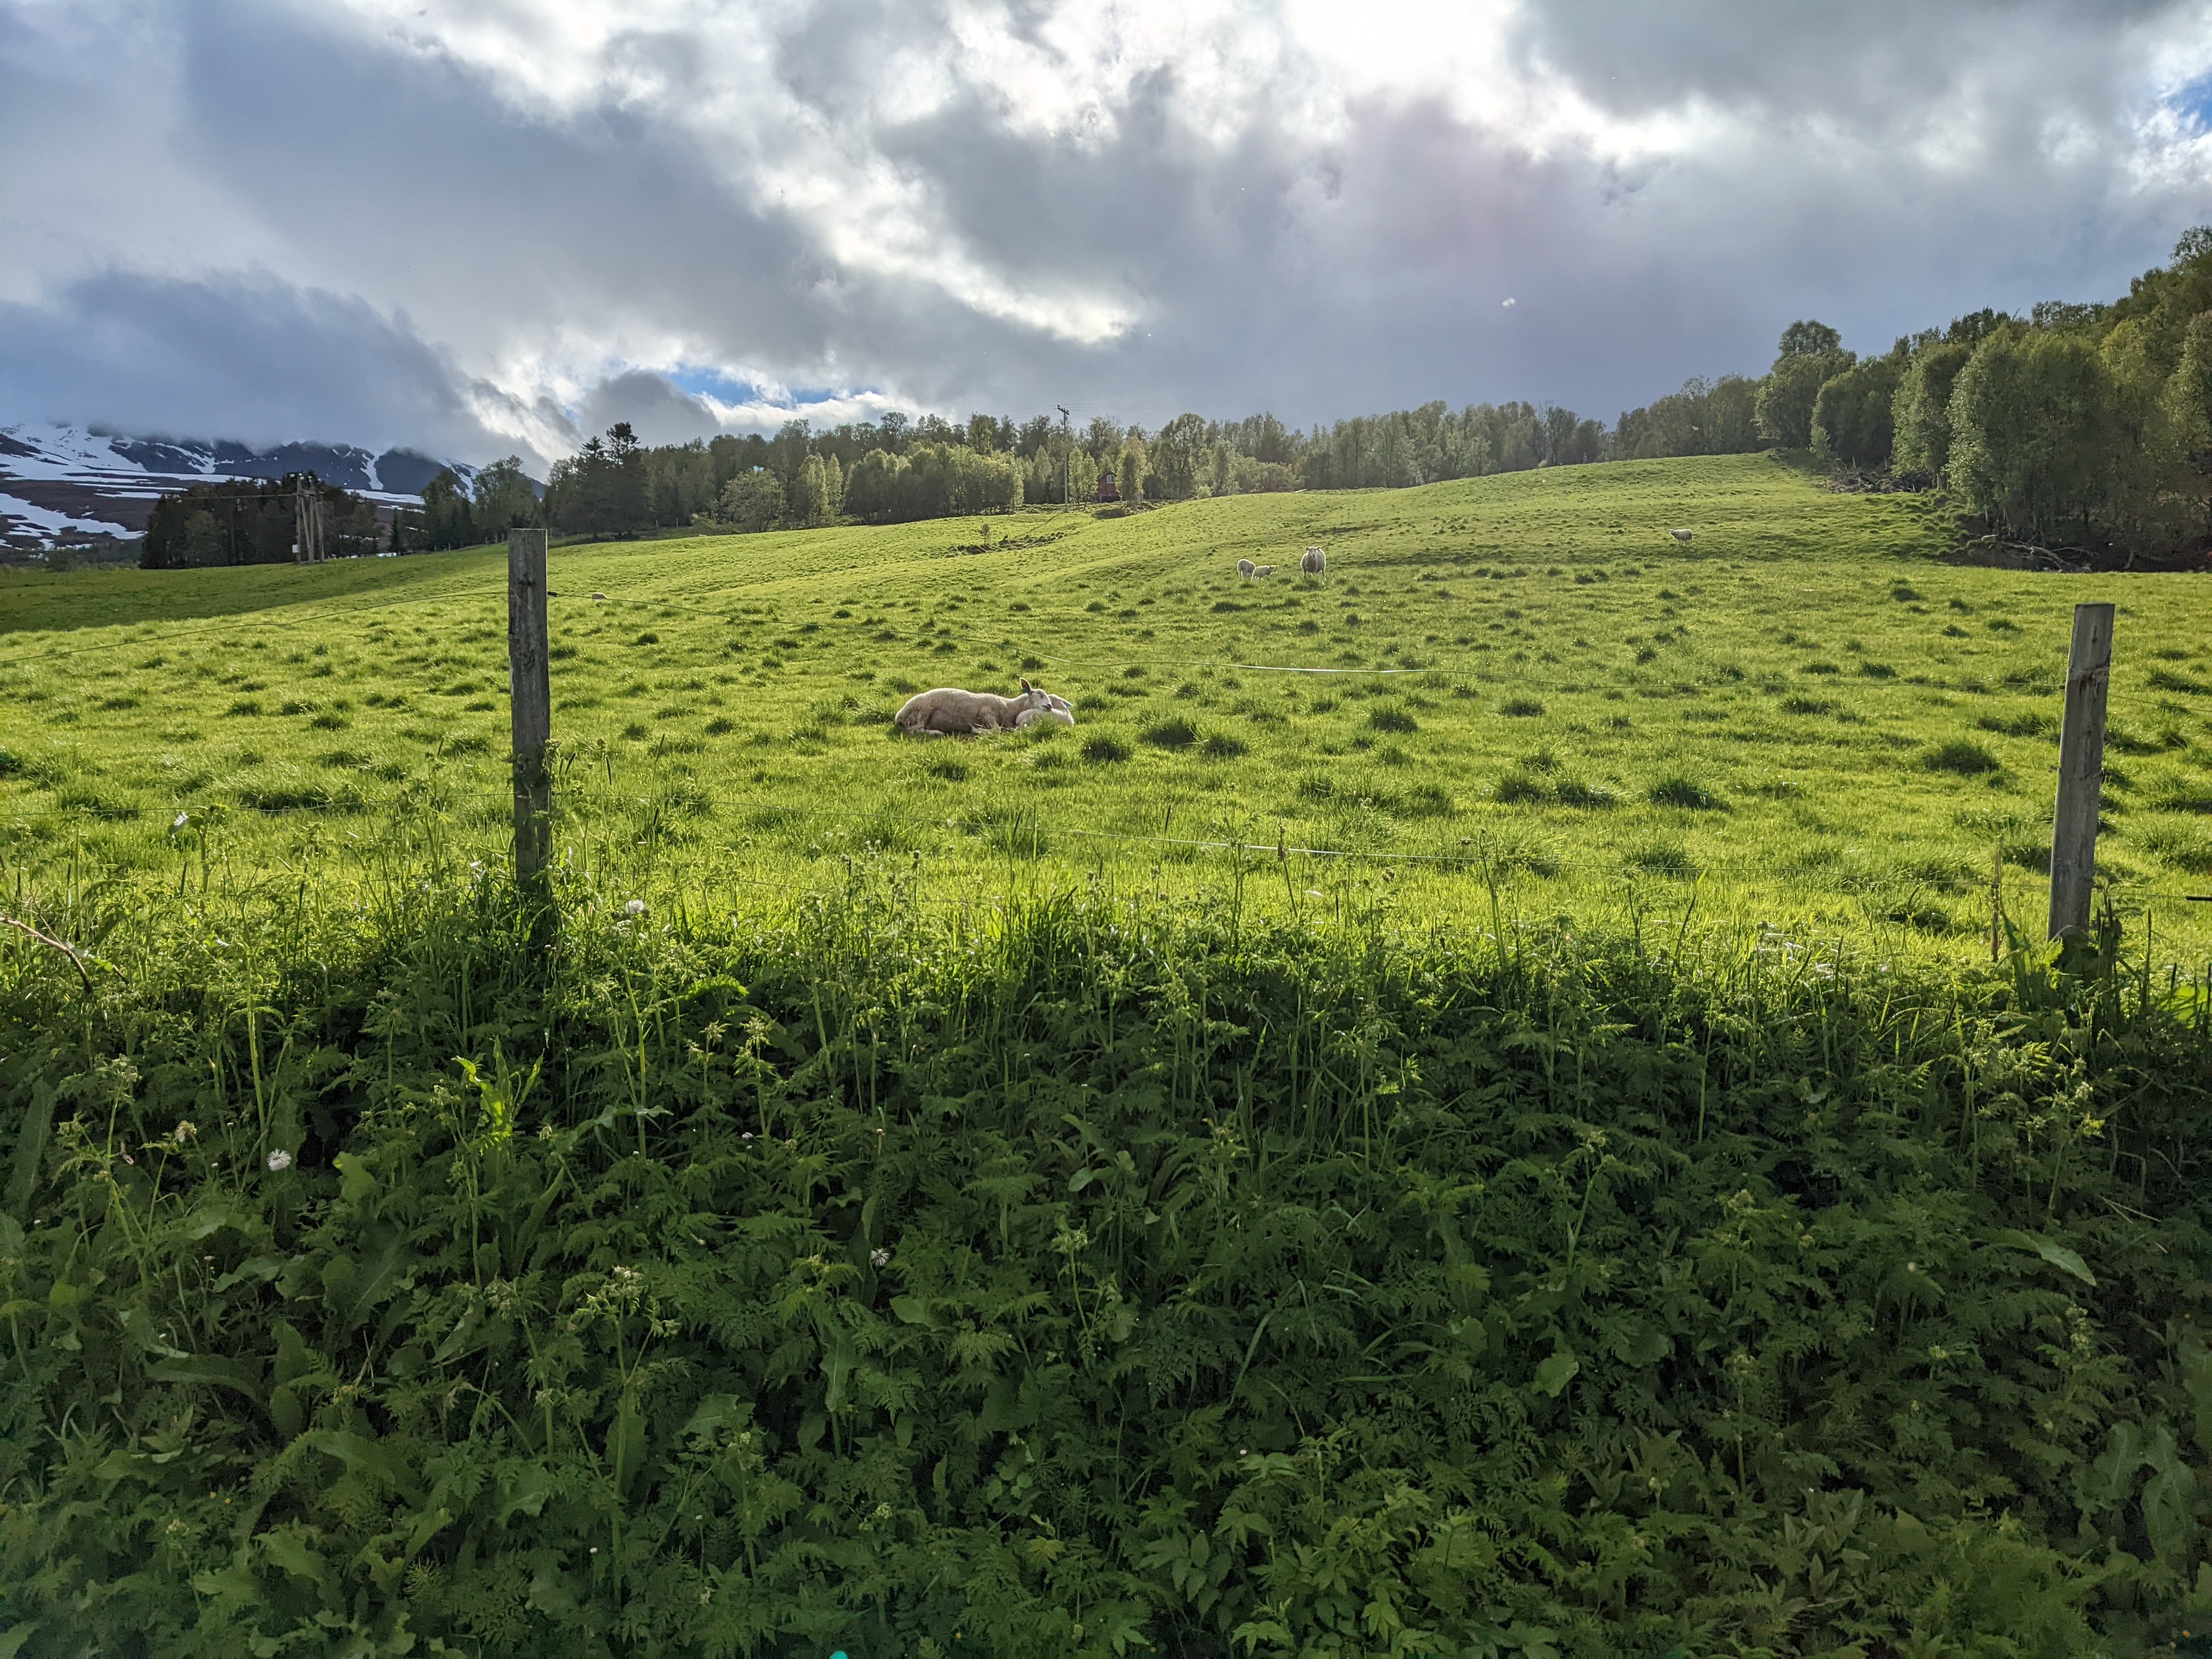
point(1530, 682)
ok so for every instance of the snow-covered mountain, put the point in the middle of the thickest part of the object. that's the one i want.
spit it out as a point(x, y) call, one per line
point(61, 484)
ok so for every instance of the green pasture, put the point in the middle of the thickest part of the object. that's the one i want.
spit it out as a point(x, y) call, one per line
point(1531, 690)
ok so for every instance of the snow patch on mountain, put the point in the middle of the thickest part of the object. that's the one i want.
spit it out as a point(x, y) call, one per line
point(62, 483)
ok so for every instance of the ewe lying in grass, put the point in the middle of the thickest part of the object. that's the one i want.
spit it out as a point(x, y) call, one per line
point(948, 711)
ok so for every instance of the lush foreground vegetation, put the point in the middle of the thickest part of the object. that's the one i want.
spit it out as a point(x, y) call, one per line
point(1067, 1275)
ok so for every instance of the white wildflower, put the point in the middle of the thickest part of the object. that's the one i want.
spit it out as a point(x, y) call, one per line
point(880, 1257)
point(635, 908)
point(280, 1160)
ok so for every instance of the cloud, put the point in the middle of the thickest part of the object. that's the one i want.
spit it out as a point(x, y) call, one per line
point(501, 224)
point(657, 412)
point(252, 359)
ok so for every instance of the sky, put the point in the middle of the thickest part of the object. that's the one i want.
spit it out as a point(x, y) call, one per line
point(496, 227)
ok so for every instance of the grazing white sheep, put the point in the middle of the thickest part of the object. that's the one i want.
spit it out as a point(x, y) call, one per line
point(1057, 710)
point(1680, 535)
point(1260, 570)
point(1245, 568)
point(948, 711)
point(1314, 562)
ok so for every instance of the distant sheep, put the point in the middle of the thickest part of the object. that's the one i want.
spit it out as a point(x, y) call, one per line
point(1245, 568)
point(1314, 562)
point(1680, 535)
point(1057, 710)
point(950, 712)
point(1261, 570)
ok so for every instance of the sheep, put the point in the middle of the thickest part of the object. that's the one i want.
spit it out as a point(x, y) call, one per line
point(1245, 568)
point(947, 711)
point(1314, 562)
point(1680, 535)
point(1260, 570)
point(1057, 709)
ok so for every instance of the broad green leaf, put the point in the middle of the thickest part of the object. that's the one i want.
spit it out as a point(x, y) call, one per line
point(1555, 1373)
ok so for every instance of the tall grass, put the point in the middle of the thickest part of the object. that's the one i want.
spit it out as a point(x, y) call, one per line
point(1049, 1269)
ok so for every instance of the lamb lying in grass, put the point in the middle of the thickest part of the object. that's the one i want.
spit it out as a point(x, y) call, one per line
point(1260, 570)
point(1057, 709)
point(949, 712)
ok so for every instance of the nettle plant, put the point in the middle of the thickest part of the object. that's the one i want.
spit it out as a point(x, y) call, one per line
point(1076, 1276)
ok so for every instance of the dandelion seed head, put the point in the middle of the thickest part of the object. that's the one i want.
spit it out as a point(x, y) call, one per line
point(634, 908)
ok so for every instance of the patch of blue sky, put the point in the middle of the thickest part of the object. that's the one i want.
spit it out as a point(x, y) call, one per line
point(705, 380)
point(2192, 102)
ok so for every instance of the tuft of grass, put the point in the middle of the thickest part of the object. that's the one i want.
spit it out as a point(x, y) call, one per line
point(1173, 731)
point(1388, 718)
point(1105, 750)
point(1963, 756)
point(1669, 859)
point(1572, 792)
point(1687, 793)
point(1521, 708)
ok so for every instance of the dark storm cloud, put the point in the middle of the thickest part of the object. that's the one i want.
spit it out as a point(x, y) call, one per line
point(512, 224)
point(259, 361)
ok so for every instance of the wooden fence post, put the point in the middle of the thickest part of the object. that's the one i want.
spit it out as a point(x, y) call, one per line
point(532, 696)
point(2080, 772)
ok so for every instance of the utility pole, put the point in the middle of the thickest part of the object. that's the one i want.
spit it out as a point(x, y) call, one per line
point(1068, 458)
point(306, 520)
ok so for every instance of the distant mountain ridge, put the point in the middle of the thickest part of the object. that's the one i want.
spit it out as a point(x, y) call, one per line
point(61, 484)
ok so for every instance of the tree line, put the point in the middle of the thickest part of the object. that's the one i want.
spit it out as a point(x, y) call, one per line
point(900, 468)
point(2082, 427)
